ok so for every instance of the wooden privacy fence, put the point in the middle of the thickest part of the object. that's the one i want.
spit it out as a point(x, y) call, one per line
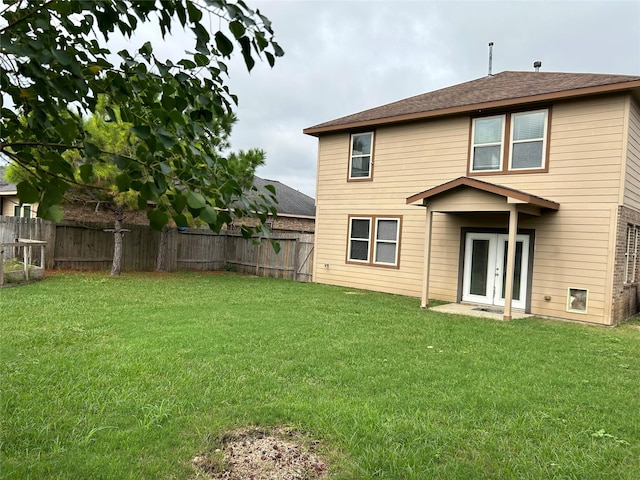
point(88, 246)
point(15, 229)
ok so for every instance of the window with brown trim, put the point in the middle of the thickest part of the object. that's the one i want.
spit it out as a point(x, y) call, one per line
point(374, 240)
point(361, 156)
point(509, 143)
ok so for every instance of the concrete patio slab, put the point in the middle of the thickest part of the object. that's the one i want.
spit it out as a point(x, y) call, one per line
point(473, 310)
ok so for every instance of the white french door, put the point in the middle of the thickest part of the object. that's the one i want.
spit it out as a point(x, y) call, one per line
point(485, 264)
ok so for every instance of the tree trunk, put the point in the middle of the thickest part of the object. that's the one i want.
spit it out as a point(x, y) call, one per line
point(116, 267)
point(161, 259)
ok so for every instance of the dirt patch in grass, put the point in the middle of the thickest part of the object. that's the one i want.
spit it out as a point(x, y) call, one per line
point(258, 454)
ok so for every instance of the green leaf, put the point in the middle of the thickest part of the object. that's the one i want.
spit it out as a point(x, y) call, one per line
point(201, 60)
point(86, 172)
point(237, 28)
point(195, 200)
point(208, 214)
point(157, 218)
point(142, 131)
point(181, 220)
point(27, 193)
point(149, 191)
point(53, 213)
point(123, 182)
point(178, 202)
point(90, 149)
point(245, 43)
point(195, 15)
point(225, 46)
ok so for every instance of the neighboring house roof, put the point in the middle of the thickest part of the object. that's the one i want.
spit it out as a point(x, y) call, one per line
point(290, 201)
point(500, 90)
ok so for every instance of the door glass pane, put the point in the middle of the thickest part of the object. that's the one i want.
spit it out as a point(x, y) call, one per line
point(479, 261)
point(517, 273)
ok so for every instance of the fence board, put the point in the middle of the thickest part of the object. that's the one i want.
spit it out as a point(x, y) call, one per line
point(12, 228)
point(88, 246)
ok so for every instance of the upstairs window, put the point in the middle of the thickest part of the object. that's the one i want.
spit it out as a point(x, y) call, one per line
point(528, 140)
point(487, 143)
point(513, 142)
point(374, 241)
point(22, 211)
point(361, 157)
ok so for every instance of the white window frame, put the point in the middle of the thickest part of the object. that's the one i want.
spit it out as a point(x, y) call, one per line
point(500, 144)
point(373, 241)
point(510, 119)
point(631, 253)
point(543, 160)
point(352, 156)
point(387, 242)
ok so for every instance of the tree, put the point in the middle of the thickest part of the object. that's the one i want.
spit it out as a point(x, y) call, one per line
point(54, 54)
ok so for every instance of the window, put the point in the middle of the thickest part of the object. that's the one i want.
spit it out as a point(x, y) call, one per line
point(374, 241)
point(487, 143)
point(631, 254)
point(22, 211)
point(525, 149)
point(577, 300)
point(361, 157)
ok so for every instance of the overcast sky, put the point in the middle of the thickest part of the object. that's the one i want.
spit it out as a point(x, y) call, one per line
point(342, 57)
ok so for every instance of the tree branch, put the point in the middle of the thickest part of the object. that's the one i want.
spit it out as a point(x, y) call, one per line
point(30, 14)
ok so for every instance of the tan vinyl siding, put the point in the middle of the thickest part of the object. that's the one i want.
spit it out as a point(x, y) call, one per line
point(572, 246)
point(632, 180)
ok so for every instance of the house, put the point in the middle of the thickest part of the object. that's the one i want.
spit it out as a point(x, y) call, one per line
point(296, 210)
point(9, 203)
point(522, 186)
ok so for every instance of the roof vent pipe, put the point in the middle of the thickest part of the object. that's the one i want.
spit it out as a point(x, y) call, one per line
point(490, 57)
point(537, 64)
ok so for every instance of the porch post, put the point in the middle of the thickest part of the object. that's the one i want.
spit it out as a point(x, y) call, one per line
point(511, 260)
point(427, 258)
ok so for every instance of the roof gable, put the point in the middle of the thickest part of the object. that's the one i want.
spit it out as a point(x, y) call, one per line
point(465, 182)
point(503, 89)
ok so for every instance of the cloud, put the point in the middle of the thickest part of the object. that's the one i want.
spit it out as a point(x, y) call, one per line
point(342, 57)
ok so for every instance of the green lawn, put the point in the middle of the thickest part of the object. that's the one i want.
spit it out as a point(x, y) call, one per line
point(129, 378)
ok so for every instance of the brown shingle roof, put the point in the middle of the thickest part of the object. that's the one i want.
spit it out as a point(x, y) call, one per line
point(506, 88)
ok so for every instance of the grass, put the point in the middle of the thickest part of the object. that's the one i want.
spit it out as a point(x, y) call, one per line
point(130, 377)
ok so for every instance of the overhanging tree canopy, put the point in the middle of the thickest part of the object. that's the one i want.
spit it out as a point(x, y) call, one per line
point(54, 54)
